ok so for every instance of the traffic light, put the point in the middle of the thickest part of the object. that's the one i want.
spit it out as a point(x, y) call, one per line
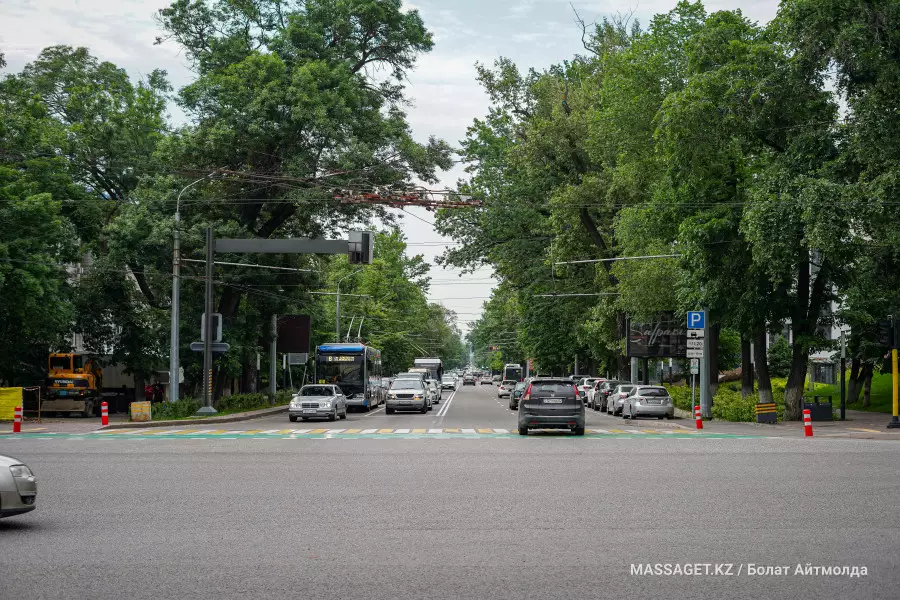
point(886, 333)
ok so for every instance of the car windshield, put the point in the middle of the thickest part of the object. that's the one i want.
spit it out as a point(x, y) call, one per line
point(406, 384)
point(624, 388)
point(317, 390)
point(653, 392)
point(551, 388)
point(520, 386)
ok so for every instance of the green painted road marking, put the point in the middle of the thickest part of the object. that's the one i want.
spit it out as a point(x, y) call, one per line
point(252, 434)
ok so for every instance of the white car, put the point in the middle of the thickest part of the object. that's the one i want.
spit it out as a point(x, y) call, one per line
point(584, 385)
point(506, 387)
point(318, 401)
point(448, 382)
point(18, 490)
point(434, 388)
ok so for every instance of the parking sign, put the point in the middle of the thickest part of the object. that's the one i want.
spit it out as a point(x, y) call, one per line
point(696, 319)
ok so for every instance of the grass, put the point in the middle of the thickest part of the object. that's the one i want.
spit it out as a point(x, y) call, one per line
point(880, 400)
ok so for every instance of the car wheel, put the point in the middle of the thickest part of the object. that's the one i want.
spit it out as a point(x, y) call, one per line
point(333, 416)
point(424, 409)
point(344, 414)
point(388, 411)
point(292, 418)
point(523, 430)
point(660, 417)
point(578, 430)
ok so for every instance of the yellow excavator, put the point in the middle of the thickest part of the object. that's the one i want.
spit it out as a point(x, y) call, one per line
point(73, 384)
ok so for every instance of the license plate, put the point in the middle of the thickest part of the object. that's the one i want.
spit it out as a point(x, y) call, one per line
point(553, 400)
point(654, 401)
point(309, 411)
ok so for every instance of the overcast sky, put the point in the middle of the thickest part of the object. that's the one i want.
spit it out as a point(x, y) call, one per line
point(446, 97)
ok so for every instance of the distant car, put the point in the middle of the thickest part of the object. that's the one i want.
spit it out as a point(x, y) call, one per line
point(468, 379)
point(487, 380)
point(516, 395)
point(600, 393)
point(435, 389)
point(408, 394)
point(18, 488)
point(318, 402)
point(551, 404)
point(648, 401)
point(616, 399)
point(584, 384)
point(448, 382)
point(505, 388)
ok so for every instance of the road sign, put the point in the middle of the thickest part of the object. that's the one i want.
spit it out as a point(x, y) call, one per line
point(695, 343)
point(696, 319)
point(217, 326)
point(695, 333)
point(695, 366)
point(215, 347)
point(695, 353)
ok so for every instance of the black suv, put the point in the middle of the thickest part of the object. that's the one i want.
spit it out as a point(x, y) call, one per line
point(602, 394)
point(551, 403)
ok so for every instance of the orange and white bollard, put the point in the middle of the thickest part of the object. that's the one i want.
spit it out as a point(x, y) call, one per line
point(698, 418)
point(807, 422)
point(104, 414)
point(17, 420)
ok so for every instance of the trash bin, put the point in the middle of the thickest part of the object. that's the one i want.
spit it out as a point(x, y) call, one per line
point(819, 409)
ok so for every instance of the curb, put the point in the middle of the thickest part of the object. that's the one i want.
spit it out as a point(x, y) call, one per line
point(245, 416)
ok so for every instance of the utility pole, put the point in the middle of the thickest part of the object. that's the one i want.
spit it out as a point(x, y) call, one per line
point(174, 359)
point(207, 408)
point(705, 399)
point(273, 359)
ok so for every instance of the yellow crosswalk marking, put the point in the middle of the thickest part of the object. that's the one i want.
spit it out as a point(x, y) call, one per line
point(185, 431)
point(254, 431)
point(485, 431)
point(319, 431)
point(353, 431)
point(284, 431)
point(216, 432)
point(385, 431)
point(451, 430)
point(617, 431)
point(418, 430)
point(864, 429)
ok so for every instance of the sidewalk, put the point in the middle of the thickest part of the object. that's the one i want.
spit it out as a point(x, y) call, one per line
point(859, 424)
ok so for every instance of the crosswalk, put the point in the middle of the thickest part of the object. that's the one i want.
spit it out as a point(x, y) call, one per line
point(372, 432)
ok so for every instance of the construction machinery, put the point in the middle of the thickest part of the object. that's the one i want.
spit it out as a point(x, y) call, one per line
point(74, 383)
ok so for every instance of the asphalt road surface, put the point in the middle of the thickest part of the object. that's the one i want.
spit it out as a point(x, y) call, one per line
point(547, 516)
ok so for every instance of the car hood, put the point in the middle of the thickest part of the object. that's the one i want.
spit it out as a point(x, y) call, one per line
point(312, 398)
point(7, 461)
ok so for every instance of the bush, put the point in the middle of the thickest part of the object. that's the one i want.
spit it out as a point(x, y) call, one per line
point(681, 396)
point(779, 358)
point(164, 411)
point(729, 406)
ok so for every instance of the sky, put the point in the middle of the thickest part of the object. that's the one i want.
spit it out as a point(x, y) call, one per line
point(446, 97)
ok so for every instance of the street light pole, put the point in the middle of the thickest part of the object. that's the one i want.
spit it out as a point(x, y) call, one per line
point(337, 306)
point(174, 362)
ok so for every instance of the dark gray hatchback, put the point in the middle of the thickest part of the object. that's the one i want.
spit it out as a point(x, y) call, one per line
point(550, 403)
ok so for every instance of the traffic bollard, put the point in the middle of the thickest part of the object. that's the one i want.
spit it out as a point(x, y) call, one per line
point(698, 418)
point(17, 420)
point(807, 422)
point(104, 414)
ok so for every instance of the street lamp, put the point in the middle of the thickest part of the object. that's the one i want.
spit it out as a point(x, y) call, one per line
point(174, 363)
point(337, 308)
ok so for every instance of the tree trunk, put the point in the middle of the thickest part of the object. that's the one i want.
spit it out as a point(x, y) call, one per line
point(867, 385)
point(712, 346)
point(248, 376)
point(762, 367)
point(854, 385)
point(746, 368)
point(623, 367)
point(793, 391)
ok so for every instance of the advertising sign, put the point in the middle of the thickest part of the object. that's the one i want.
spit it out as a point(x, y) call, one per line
point(664, 337)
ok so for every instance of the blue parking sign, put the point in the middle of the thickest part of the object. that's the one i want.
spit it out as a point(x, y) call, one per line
point(696, 319)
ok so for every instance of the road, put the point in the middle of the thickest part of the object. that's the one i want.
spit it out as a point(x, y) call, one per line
point(467, 515)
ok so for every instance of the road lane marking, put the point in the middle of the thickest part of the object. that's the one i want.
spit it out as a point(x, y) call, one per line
point(318, 431)
point(416, 431)
point(372, 412)
point(401, 431)
point(468, 431)
point(366, 431)
point(451, 430)
point(385, 431)
point(435, 431)
point(484, 430)
point(501, 430)
point(353, 431)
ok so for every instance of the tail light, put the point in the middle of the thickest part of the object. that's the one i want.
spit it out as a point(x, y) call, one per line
point(527, 394)
point(577, 393)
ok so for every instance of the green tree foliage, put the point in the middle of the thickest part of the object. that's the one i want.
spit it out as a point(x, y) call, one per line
point(779, 358)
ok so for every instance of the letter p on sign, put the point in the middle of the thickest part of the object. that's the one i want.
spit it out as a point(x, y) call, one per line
point(696, 319)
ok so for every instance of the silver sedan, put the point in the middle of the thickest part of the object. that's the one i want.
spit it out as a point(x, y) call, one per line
point(648, 401)
point(18, 489)
point(318, 402)
point(616, 399)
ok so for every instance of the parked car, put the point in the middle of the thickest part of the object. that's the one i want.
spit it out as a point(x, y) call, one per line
point(18, 488)
point(468, 379)
point(505, 388)
point(318, 402)
point(584, 384)
point(648, 401)
point(601, 392)
point(551, 404)
point(435, 389)
point(448, 382)
point(408, 394)
point(516, 395)
point(616, 399)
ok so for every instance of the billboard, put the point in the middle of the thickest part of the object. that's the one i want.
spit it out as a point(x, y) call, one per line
point(293, 333)
point(664, 337)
